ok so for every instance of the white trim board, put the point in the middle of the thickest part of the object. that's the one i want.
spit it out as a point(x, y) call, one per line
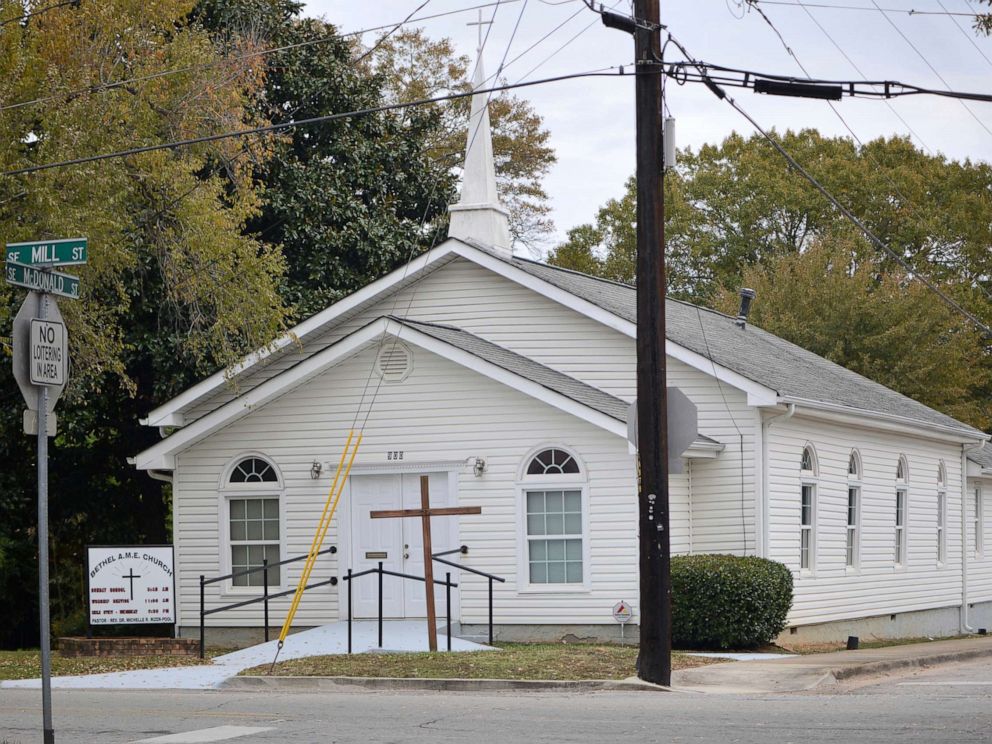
point(170, 413)
point(162, 455)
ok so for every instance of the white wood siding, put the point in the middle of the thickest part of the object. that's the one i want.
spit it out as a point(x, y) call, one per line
point(470, 297)
point(979, 567)
point(877, 586)
point(441, 412)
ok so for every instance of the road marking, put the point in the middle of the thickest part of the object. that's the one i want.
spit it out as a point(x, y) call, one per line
point(945, 684)
point(203, 736)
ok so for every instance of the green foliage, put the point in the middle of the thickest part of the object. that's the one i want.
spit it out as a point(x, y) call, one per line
point(174, 287)
point(727, 601)
point(735, 215)
point(873, 321)
point(414, 67)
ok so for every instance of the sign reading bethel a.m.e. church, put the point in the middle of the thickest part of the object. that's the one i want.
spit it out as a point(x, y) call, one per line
point(131, 584)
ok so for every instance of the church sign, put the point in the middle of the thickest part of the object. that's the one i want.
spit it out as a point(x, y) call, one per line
point(130, 584)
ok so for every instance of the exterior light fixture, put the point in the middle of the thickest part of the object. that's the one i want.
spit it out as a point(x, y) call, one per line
point(315, 469)
point(479, 467)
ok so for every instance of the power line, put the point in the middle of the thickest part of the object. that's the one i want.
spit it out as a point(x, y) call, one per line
point(907, 11)
point(240, 58)
point(33, 13)
point(927, 62)
point(858, 70)
point(874, 239)
point(877, 165)
point(601, 72)
point(381, 40)
point(968, 36)
point(682, 71)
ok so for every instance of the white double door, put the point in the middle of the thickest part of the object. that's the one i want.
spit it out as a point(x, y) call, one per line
point(397, 543)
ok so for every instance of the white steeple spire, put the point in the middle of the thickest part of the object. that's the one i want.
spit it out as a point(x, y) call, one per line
point(478, 215)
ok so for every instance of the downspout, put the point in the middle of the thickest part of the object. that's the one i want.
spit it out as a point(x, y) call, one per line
point(765, 505)
point(965, 449)
point(160, 475)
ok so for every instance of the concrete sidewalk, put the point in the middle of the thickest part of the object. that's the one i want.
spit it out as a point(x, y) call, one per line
point(805, 672)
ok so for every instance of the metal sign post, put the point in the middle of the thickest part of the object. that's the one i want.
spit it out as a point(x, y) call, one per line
point(41, 361)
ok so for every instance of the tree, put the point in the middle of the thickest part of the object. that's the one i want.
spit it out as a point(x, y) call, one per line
point(874, 321)
point(983, 21)
point(738, 204)
point(174, 286)
point(415, 67)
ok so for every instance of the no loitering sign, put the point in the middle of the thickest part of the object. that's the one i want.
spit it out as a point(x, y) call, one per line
point(49, 355)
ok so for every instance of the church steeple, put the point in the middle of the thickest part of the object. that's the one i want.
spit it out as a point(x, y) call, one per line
point(478, 215)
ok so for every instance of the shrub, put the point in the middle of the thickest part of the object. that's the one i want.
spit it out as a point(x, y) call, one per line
point(728, 601)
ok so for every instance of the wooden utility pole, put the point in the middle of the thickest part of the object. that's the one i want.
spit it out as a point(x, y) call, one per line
point(655, 658)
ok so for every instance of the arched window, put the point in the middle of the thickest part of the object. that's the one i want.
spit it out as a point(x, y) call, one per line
point(807, 509)
point(853, 509)
point(253, 470)
point(554, 524)
point(551, 462)
point(251, 498)
point(902, 510)
point(941, 512)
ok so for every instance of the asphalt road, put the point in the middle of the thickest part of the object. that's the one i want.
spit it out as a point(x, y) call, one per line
point(951, 703)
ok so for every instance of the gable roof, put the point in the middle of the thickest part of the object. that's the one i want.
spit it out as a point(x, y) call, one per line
point(504, 366)
point(794, 373)
point(770, 368)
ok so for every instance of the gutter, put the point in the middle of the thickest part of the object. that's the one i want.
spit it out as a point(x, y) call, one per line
point(765, 504)
point(965, 449)
point(961, 433)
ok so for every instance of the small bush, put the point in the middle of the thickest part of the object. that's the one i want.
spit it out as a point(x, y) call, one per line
point(728, 601)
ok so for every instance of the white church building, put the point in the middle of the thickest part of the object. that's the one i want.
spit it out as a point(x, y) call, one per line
point(508, 382)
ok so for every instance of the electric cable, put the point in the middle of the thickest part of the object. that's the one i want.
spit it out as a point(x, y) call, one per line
point(40, 11)
point(907, 11)
point(239, 58)
point(600, 72)
point(928, 64)
point(874, 239)
point(969, 37)
point(874, 161)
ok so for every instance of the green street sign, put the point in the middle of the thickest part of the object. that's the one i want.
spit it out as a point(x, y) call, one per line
point(42, 281)
point(66, 252)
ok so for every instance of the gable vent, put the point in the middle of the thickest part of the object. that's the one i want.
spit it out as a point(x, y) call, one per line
point(394, 362)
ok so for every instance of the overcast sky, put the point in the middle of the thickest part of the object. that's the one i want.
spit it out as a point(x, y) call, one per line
point(592, 120)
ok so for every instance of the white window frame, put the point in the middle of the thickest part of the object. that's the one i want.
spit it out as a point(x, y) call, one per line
point(852, 541)
point(900, 546)
point(979, 521)
point(808, 479)
point(941, 514)
point(230, 491)
point(555, 482)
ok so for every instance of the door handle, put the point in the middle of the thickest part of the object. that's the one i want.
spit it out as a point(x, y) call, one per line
point(406, 555)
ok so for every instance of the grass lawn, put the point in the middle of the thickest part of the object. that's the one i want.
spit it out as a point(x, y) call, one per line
point(27, 664)
point(512, 661)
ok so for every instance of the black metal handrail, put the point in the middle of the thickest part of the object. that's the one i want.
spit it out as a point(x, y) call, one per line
point(350, 577)
point(265, 597)
point(491, 577)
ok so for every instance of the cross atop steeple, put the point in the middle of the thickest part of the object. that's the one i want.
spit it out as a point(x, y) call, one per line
point(480, 23)
point(478, 216)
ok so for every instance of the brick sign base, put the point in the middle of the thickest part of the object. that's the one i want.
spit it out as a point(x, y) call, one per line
point(74, 647)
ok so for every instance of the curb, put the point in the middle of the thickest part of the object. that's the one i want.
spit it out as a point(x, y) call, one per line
point(307, 684)
point(879, 667)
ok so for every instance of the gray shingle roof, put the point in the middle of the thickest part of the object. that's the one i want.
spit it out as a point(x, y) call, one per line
point(762, 357)
point(530, 370)
point(524, 367)
point(982, 457)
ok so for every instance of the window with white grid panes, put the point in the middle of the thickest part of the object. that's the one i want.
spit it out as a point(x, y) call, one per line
point(979, 522)
point(806, 527)
point(900, 541)
point(554, 536)
point(941, 514)
point(852, 547)
point(254, 538)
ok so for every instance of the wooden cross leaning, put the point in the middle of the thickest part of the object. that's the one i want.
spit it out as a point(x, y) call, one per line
point(425, 512)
